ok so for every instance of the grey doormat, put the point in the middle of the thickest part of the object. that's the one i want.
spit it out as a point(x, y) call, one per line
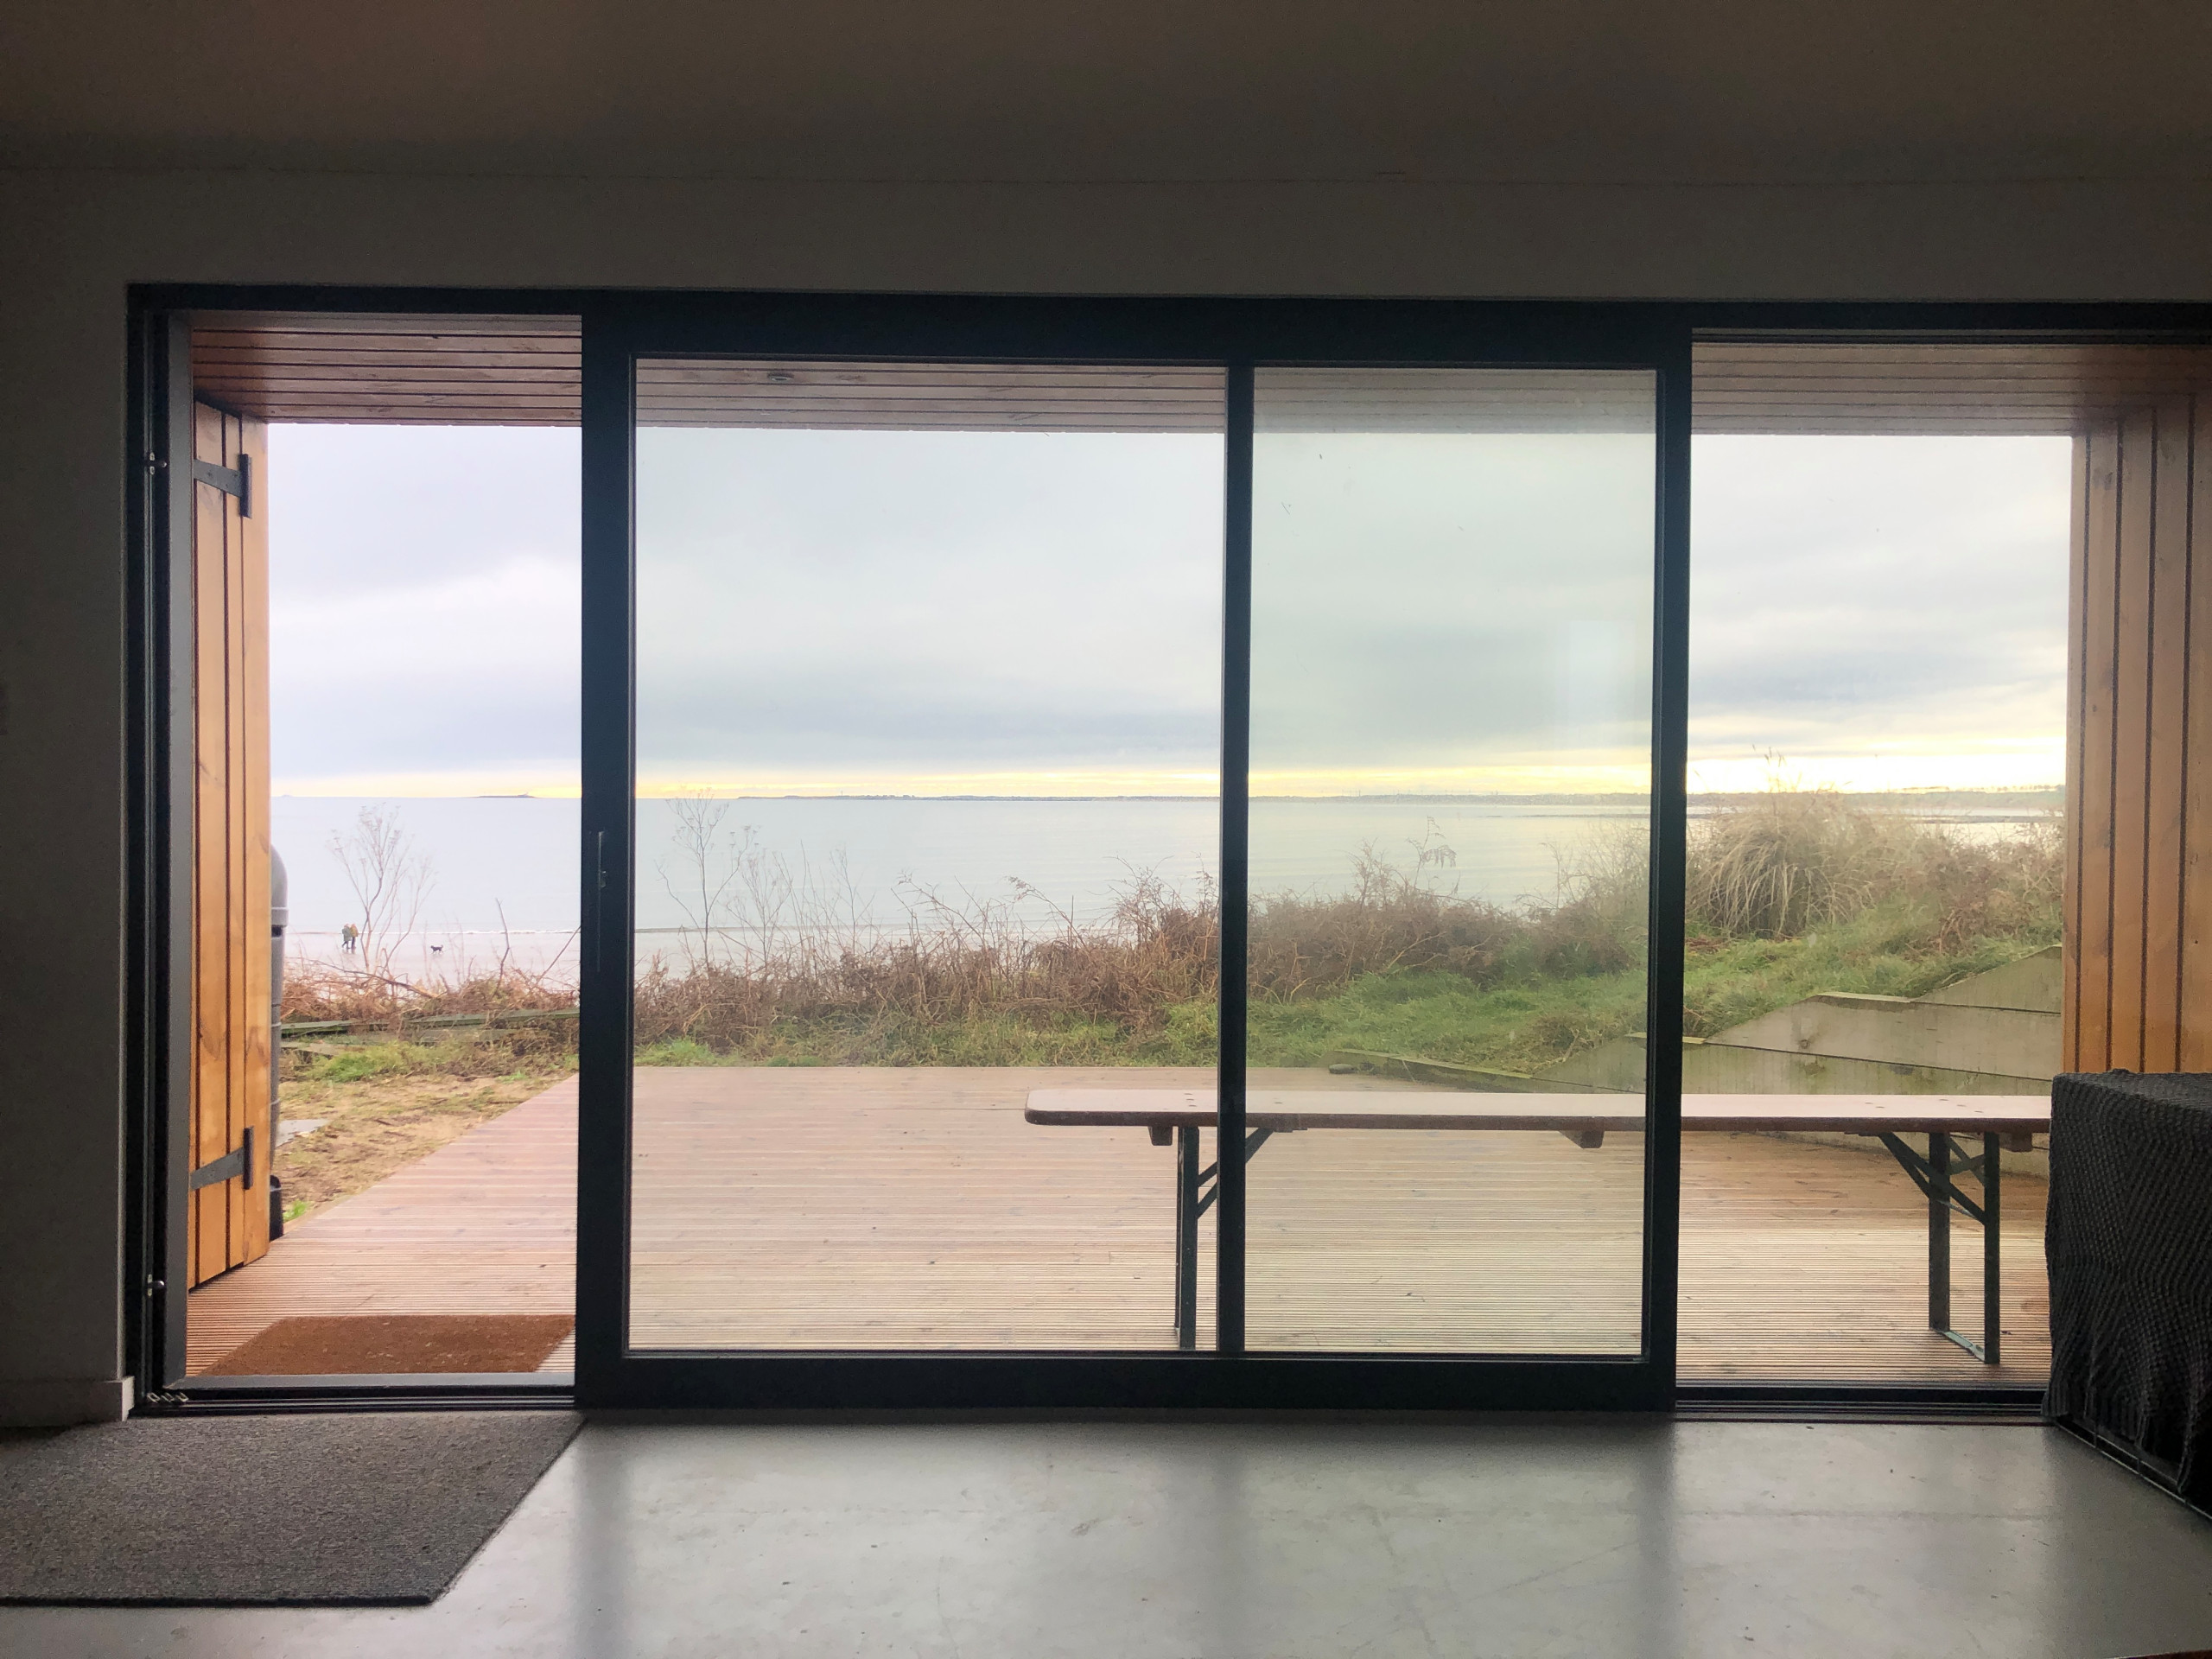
point(305, 1510)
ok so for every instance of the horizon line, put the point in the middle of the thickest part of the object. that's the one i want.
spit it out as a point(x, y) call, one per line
point(1387, 796)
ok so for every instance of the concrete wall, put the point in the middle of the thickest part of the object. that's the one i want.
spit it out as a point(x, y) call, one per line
point(72, 240)
point(1904, 1035)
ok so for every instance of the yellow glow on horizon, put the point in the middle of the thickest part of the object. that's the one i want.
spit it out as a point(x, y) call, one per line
point(431, 785)
point(1609, 778)
point(1197, 785)
point(1615, 776)
point(2028, 763)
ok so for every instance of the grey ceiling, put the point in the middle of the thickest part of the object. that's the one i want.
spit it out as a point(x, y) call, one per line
point(1535, 90)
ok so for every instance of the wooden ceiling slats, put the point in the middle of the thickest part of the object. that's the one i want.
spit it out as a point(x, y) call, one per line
point(377, 348)
point(362, 325)
point(275, 380)
point(391, 370)
point(471, 362)
point(1499, 400)
point(1997, 388)
point(951, 396)
point(528, 371)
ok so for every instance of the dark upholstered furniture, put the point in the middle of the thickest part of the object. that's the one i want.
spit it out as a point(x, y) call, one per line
point(2129, 1241)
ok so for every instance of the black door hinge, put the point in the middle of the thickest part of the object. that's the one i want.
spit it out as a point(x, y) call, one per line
point(230, 481)
point(236, 1165)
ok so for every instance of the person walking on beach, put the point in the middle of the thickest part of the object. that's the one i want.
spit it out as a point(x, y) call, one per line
point(346, 937)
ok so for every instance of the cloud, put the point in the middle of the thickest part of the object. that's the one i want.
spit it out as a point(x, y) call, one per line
point(843, 603)
point(423, 607)
point(1857, 595)
point(1449, 601)
point(845, 609)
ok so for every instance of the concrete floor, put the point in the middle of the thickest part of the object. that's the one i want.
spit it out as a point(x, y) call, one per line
point(1644, 1538)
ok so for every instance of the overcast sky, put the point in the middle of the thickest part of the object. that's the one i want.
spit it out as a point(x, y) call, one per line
point(1459, 612)
point(1031, 613)
point(1885, 613)
point(1005, 612)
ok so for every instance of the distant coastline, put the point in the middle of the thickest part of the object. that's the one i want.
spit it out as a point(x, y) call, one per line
point(2022, 795)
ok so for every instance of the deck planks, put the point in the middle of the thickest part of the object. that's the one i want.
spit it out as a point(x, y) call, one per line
point(913, 1208)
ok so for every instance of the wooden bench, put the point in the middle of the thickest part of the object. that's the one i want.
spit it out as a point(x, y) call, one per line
point(1175, 1116)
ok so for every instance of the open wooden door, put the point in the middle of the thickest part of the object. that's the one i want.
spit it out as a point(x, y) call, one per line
point(227, 1201)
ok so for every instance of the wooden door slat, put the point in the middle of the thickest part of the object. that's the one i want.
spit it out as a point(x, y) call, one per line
point(2195, 1045)
point(2168, 757)
point(2093, 927)
point(2131, 742)
point(2070, 1044)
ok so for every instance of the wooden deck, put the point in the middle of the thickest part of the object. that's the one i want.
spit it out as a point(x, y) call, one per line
point(914, 1209)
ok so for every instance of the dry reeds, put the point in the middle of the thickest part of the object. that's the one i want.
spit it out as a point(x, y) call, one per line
point(1780, 864)
point(954, 961)
point(776, 948)
point(316, 990)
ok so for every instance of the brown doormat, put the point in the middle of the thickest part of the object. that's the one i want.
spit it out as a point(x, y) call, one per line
point(354, 1344)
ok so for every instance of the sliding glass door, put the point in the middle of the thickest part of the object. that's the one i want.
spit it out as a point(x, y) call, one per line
point(1450, 856)
point(928, 680)
point(1119, 859)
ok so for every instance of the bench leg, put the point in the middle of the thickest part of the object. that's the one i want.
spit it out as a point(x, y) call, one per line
point(1186, 1238)
point(1990, 1213)
point(1933, 1175)
point(1992, 1280)
point(1939, 1233)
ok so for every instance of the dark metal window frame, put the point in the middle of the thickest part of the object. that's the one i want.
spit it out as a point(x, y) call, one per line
point(1235, 336)
point(620, 326)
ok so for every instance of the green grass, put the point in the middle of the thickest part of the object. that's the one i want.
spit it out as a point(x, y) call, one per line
point(1440, 1016)
point(356, 1063)
point(505, 1058)
point(1185, 1037)
point(1529, 1024)
point(1520, 1025)
point(1789, 893)
point(1881, 952)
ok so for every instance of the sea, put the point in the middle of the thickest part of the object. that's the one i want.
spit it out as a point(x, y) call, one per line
point(501, 875)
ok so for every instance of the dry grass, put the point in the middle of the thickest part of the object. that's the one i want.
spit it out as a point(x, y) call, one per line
point(952, 964)
point(1788, 893)
point(385, 1100)
point(784, 972)
point(320, 990)
point(1777, 865)
point(373, 1126)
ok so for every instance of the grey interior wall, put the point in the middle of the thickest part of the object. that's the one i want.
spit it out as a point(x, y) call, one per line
point(71, 241)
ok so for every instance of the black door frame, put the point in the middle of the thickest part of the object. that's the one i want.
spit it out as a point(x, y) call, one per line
point(1235, 334)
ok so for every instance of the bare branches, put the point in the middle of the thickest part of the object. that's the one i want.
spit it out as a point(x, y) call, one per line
point(390, 877)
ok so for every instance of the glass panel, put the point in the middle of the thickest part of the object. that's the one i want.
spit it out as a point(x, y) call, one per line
point(1877, 834)
point(1451, 773)
point(928, 725)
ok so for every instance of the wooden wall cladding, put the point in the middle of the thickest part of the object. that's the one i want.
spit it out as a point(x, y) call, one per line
point(2139, 787)
point(407, 370)
point(227, 1221)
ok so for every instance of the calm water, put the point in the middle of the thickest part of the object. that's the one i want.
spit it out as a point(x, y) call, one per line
point(876, 861)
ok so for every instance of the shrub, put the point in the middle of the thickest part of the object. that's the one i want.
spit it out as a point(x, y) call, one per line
point(787, 973)
point(1778, 865)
